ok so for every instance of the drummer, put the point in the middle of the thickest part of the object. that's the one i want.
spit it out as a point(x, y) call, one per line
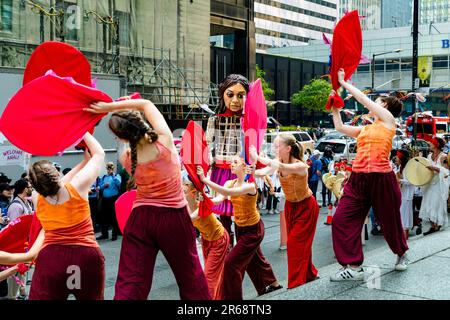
point(435, 194)
point(407, 189)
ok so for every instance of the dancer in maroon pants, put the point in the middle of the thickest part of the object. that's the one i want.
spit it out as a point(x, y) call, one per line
point(372, 184)
point(246, 255)
point(160, 219)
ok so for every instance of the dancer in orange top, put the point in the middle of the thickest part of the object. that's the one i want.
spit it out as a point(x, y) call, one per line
point(215, 240)
point(301, 208)
point(246, 255)
point(67, 238)
point(160, 219)
point(372, 183)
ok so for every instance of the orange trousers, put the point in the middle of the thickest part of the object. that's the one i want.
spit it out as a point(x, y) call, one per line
point(214, 254)
point(301, 221)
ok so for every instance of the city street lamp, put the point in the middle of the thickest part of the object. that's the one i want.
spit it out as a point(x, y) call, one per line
point(373, 63)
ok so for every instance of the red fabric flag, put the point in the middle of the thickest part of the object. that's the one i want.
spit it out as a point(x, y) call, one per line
point(14, 237)
point(195, 152)
point(35, 229)
point(254, 123)
point(124, 206)
point(50, 109)
point(345, 53)
point(65, 60)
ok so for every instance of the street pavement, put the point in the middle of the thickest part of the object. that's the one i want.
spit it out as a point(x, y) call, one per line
point(164, 286)
point(426, 277)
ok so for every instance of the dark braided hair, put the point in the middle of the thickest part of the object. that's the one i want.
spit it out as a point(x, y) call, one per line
point(131, 126)
point(230, 81)
point(296, 147)
point(44, 178)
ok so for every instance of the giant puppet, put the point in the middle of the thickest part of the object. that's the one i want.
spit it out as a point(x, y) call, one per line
point(223, 135)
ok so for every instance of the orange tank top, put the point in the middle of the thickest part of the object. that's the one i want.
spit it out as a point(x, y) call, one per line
point(295, 187)
point(374, 145)
point(245, 210)
point(210, 227)
point(68, 223)
point(159, 181)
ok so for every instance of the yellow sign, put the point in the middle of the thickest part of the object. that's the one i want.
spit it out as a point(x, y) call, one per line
point(424, 69)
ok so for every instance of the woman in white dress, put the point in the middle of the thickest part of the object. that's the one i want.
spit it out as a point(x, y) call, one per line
point(435, 194)
point(407, 189)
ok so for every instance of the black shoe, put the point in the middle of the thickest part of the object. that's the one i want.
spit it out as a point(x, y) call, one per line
point(375, 232)
point(114, 238)
point(102, 237)
point(432, 230)
point(271, 288)
point(419, 230)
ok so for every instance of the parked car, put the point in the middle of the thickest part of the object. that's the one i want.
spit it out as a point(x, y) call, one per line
point(342, 148)
point(334, 134)
point(303, 137)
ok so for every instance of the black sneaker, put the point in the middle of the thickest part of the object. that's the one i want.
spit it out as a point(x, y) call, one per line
point(271, 288)
point(102, 238)
point(432, 230)
point(376, 232)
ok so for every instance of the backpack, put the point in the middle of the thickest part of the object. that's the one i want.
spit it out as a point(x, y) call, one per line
point(22, 205)
point(325, 164)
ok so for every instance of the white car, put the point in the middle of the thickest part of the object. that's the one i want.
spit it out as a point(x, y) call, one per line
point(303, 137)
point(342, 148)
point(334, 134)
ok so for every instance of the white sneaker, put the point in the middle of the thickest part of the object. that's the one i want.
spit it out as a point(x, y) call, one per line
point(348, 274)
point(402, 263)
point(271, 212)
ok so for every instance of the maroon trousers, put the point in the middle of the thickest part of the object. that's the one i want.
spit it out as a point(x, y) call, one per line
point(246, 256)
point(364, 190)
point(63, 270)
point(148, 230)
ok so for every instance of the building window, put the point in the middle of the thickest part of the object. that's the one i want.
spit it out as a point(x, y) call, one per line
point(124, 27)
point(6, 15)
point(70, 27)
point(71, 32)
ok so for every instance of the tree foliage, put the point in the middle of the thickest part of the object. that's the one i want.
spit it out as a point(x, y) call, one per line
point(313, 96)
point(268, 92)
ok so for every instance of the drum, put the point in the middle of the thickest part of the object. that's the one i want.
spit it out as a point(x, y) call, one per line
point(329, 180)
point(417, 173)
point(337, 187)
point(326, 176)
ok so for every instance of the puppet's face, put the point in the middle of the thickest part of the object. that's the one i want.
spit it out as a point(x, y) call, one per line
point(234, 97)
